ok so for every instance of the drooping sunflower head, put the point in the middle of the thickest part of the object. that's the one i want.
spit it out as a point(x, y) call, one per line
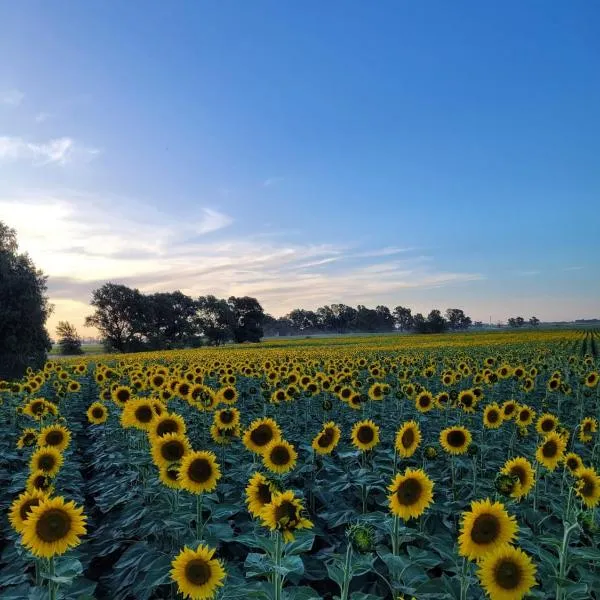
point(362, 537)
point(455, 440)
point(520, 468)
point(551, 451)
point(166, 423)
point(327, 439)
point(170, 448)
point(199, 472)
point(408, 439)
point(53, 526)
point(197, 573)
point(259, 493)
point(260, 434)
point(410, 493)
point(27, 438)
point(492, 416)
point(587, 486)
point(46, 459)
point(21, 507)
point(365, 435)
point(285, 514)
point(224, 437)
point(546, 424)
point(507, 573)
point(486, 527)
point(279, 456)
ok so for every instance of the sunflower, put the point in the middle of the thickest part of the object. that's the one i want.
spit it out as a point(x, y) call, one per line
point(27, 438)
point(411, 493)
point(169, 448)
point(199, 472)
point(525, 416)
point(442, 400)
point(227, 395)
point(198, 575)
point(284, 514)
point(573, 462)
point(38, 480)
point(591, 379)
point(485, 528)
point(587, 427)
point(408, 439)
point(259, 493)
point(169, 475)
point(587, 486)
point(376, 392)
point(46, 459)
point(365, 435)
point(424, 401)
point(97, 413)
point(327, 439)
point(507, 573)
point(492, 416)
point(547, 423)
point(138, 413)
point(224, 436)
point(279, 456)
point(553, 384)
point(35, 408)
point(53, 526)
point(20, 509)
point(509, 409)
point(455, 440)
point(227, 418)
point(166, 423)
point(121, 394)
point(260, 434)
point(551, 451)
point(56, 436)
point(520, 468)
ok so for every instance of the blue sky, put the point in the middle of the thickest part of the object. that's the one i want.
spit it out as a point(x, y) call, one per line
point(426, 154)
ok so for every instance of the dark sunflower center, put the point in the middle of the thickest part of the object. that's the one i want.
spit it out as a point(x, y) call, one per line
point(261, 435)
point(572, 463)
point(587, 427)
point(37, 408)
point(229, 394)
point(172, 451)
point(172, 474)
point(325, 439)
point(227, 416)
point(509, 409)
point(520, 473)
point(524, 415)
point(550, 449)
point(53, 525)
point(27, 506)
point(28, 439)
point(409, 492)
point(424, 401)
point(588, 488)
point(286, 514)
point(167, 426)
point(485, 529)
point(456, 438)
point(46, 462)
point(200, 470)
point(54, 437)
point(184, 389)
point(280, 456)
point(345, 393)
point(467, 400)
point(547, 425)
point(97, 413)
point(508, 575)
point(365, 434)
point(263, 493)
point(197, 572)
point(41, 482)
point(493, 416)
point(553, 383)
point(123, 395)
point(144, 414)
point(408, 437)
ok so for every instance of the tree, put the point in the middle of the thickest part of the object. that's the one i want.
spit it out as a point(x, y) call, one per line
point(215, 319)
point(436, 322)
point(248, 317)
point(403, 317)
point(119, 317)
point(534, 321)
point(385, 320)
point(24, 308)
point(68, 338)
point(516, 322)
point(457, 319)
point(419, 323)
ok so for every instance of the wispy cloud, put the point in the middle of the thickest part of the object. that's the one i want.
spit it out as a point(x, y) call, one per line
point(272, 181)
point(576, 268)
point(41, 117)
point(59, 151)
point(530, 273)
point(11, 97)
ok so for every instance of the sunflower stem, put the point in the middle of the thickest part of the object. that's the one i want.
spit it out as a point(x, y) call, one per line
point(52, 585)
point(464, 582)
point(395, 545)
point(277, 582)
point(347, 573)
point(199, 524)
point(562, 557)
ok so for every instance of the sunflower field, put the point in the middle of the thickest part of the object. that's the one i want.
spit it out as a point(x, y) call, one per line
point(458, 466)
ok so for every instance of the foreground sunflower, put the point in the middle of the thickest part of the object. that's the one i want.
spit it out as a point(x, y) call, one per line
point(166, 423)
point(46, 459)
point(587, 486)
point(365, 435)
point(138, 413)
point(525, 416)
point(21, 507)
point(27, 439)
point(455, 440)
point(546, 424)
point(284, 514)
point(327, 439)
point(551, 451)
point(121, 395)
point(53, 526)
point(260, 434)
point(424, 402)
point(97, 413)
point(492, 416)
point(198, 575)
point(521, 469)
point(507, 574)
point(573, 462)
point(199, 472)
point(169, 448)
point(38, 480)
point(408, 439)
point(411, 493)
point(279, 456)
point(259, 493)
point(227, 418)
point(485, 528)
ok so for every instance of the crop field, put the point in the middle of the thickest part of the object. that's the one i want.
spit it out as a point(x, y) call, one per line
point(458, 466)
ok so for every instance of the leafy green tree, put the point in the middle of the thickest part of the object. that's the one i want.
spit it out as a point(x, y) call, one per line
point(248, 317)
point(24, 308)
point(215, 319)
point(516, 322)
point(457, 319)
point(69, 341)
point(534, 321)
point(403, 317)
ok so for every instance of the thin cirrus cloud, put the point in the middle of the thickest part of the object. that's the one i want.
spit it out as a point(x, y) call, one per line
point(81, 241)
point(11, 97)
point(59, 151)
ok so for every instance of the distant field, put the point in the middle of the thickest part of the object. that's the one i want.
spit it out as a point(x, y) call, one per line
point(87, 349)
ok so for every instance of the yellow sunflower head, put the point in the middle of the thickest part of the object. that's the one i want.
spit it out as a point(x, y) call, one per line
point(587, 427)
point(40, 481)
point(365, 435)
point(227, 418)
point(410, 493)
point(492, 416)
point(224, 436)
point(53, 526)
point(546, 424)
point(167, 423)
point(424, 401)
point(121, 394)
point(170, 448)
point(227, 395)
point(168, 475)
point(199, 472)
point(56, 436)
point(587, 486)
point(525, 416)
point(455, 440)
point(551, 451)
point(138, 413)
point(327, 439)
point(467, 401)
point(285, 514)
point(408, 439)
point(27, 438)
point(509, 409)
point(485, 528)
point(573, 462)
point(260, 434)
point(21, 507)
point(507, 573)
point(97, 413)
point(197, 573)
point(46, 459)
point(520, 468)
point(279, 456)
point(259, 493)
